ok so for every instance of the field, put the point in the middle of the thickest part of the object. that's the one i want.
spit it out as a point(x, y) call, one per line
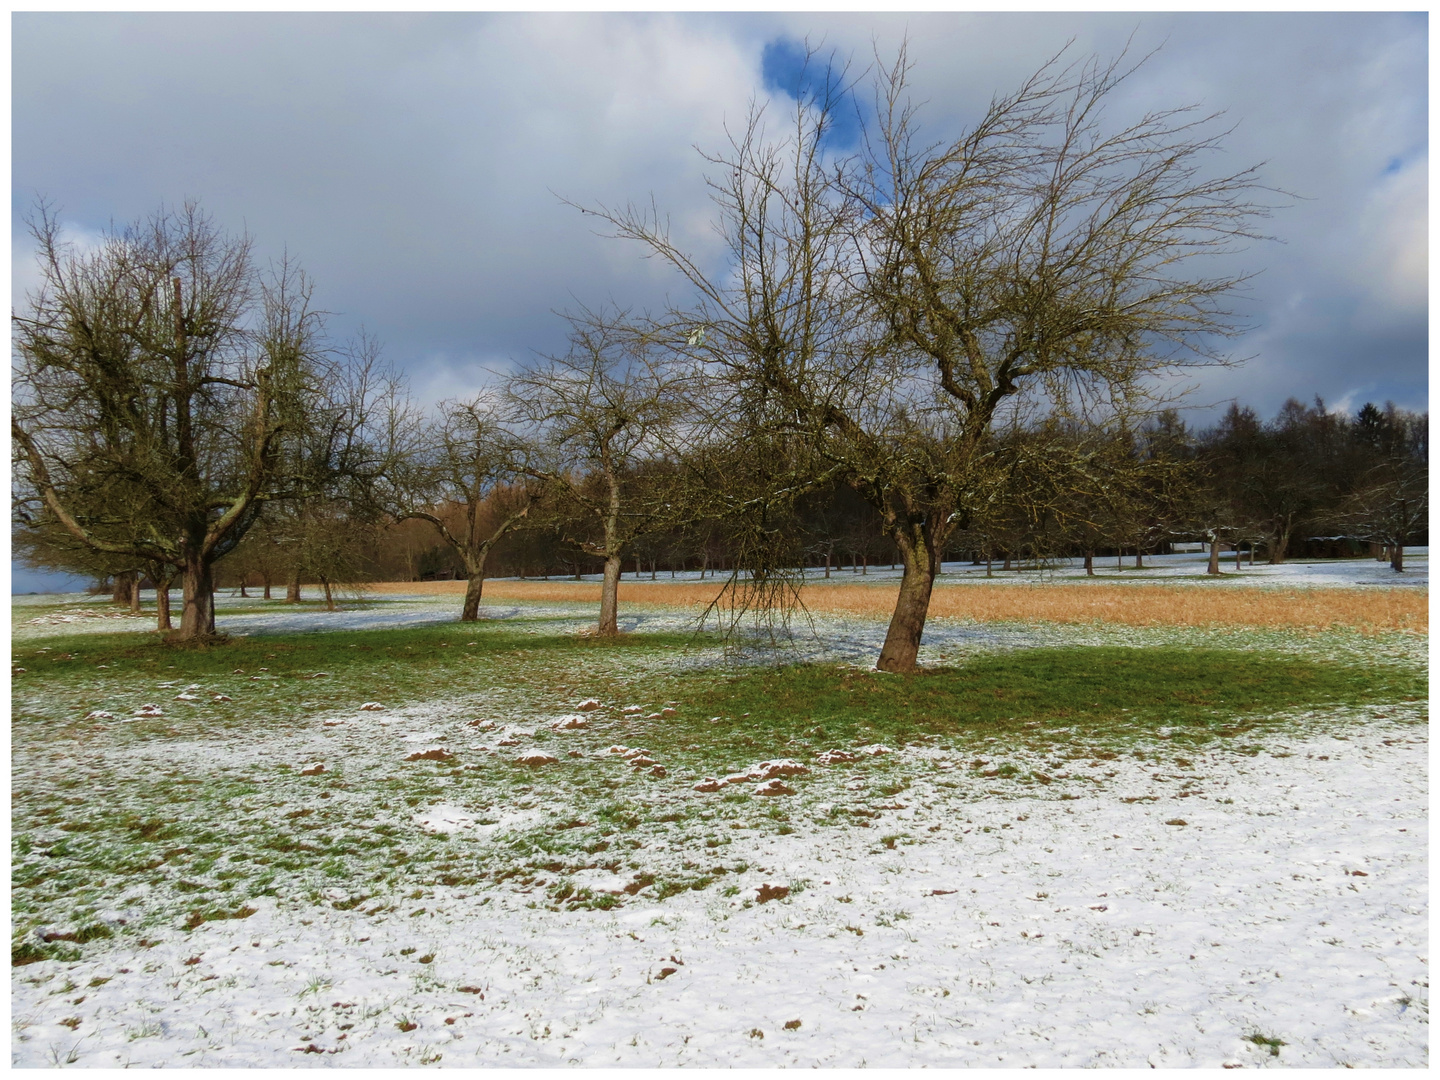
point(1108, 825)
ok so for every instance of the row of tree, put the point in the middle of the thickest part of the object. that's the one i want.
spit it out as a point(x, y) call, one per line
point(910, 349)
point(1309, 479)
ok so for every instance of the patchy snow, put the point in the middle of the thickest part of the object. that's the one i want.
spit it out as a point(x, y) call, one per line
point(987, 929)
point(445, 819)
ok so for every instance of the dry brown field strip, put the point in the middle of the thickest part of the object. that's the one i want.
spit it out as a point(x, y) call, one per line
point(1371, 609)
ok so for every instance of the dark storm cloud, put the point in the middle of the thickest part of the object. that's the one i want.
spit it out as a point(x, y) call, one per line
point(413, 162)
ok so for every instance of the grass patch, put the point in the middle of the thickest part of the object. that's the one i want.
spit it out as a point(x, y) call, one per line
point(1130, 604)
point(421, 651)
point(99, 805)
point(1089, 692)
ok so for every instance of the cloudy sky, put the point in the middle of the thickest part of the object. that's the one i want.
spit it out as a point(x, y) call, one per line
point(416, 164)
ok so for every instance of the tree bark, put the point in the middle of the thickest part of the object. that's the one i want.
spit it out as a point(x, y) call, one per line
point(292, 590)
point(1397, 558)
point(1139, 561)
point(473, 588)
point(609, 596)
point(1278, 543)
point(1089, 564)
point(1214, 567)
point(907, 624)
point(162, 605)
point(197, 615)
point(135, 594)
point(329, 599)
point(124, 587)
point(267, 587)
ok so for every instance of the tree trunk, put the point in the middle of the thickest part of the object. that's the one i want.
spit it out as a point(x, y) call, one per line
point(1237, 558)
point(864, 565)
point(197, 616)
point(1397, 558)
point(1214, 567)
point(1089, 564)
point(125, 586)
point(907, 624)
point(476, 584)
point(1139, 561)
point(242, 588)
point(1278, 543)
point(1003, 568)
point(135, 594)
point(267, 586)
point(329, 600)
point(292, 591)
point(162, 605)
point(609, 594)
point(827, 564)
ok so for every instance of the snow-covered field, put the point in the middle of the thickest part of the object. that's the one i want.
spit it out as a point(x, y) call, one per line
point(1291, 905)
point(1256, 901)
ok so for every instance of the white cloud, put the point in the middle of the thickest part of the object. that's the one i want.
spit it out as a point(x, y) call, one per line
point(1393, 267)
point(409, 161)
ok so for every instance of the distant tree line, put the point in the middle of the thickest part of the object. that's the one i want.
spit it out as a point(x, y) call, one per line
point(923, 350)
point(1309, 483)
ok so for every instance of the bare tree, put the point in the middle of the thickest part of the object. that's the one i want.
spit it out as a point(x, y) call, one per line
point(893, 307)
point(164, 366)
point(601, 412)
point(468, 479)
point(1390, 502)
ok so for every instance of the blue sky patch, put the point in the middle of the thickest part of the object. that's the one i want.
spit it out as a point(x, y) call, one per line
point(784, 70)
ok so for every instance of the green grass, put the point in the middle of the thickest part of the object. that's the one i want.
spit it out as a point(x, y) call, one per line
point(411, 649)
point(1076, 693)
point(101, 807)
point(78, 673)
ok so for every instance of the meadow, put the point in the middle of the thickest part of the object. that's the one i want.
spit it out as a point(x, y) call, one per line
point(1106, 825)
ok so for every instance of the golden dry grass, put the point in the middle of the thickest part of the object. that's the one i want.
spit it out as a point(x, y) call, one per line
point(1371, 609)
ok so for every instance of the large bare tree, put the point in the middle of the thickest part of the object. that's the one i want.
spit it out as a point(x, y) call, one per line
point(164, 369)
point(893, 306)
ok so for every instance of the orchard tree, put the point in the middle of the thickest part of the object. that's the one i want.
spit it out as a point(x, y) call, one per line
point(893, 307)
point(467, 476)
point(600, 413)
point(1390, 502)
point(164, 368)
